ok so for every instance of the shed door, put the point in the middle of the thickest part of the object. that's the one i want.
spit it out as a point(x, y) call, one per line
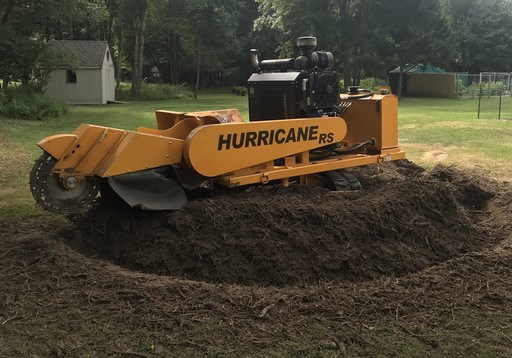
point(110, 84)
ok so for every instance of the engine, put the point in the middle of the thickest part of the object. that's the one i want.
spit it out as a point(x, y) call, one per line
point(294, 87)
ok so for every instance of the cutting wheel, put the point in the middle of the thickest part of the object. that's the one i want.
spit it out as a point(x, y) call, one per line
point(50, 192)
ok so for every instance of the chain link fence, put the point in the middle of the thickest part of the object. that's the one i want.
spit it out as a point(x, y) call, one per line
point(492, 92)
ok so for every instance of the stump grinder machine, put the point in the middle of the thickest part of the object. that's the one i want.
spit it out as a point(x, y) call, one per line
point(301, 129)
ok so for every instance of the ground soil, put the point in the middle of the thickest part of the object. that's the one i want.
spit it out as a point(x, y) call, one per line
point(300, 270)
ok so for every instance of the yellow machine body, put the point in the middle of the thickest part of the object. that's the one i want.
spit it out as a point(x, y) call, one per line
point(373, 117)
point(301, 129)
point(219, 145)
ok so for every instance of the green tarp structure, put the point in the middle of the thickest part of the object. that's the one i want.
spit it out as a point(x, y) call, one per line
point(428, 68)
point(420, 68)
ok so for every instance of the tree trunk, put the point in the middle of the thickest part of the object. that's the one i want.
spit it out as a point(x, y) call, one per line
point(70, 27)
point(135, 90)
point(138, 52)
point(170, 59)
point(400, 81)
point(109, 35)
point(344, 16)
point(198, 71)
point(172, 55)
point(7, 12)
point(347, 79)
point(25, 79)
point(120, 52)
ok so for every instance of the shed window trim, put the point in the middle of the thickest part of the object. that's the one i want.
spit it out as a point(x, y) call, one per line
point(70, 76)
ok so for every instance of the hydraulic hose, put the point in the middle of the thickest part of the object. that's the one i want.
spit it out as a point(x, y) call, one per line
point(323, 152)
point(356, 147)
point(356, 92)
point(362, 95)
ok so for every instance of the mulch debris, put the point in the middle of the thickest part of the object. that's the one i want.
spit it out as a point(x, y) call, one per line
point(402, 221)
point(260, 268)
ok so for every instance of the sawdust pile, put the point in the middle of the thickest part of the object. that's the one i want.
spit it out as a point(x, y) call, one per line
point(305, 259)
point(404, 220)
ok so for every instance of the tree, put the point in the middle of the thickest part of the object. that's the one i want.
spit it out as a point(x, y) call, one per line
point(140, 13)
point(360, 26)
point(345, 27)
point(299, 18)
point(31, 61)
point(48, 60)
point(26, 27)
point(426, 39)
point(166, 24)
point(115, 35)
point(483, 31)
point(186, 38)
point(211, 37)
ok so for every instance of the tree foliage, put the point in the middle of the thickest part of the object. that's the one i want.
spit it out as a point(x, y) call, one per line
point(188, 39)
point(483, 31)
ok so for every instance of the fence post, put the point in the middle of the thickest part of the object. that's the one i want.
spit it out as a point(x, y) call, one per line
point(457, 86)
point(499, 107)
point(479, 99)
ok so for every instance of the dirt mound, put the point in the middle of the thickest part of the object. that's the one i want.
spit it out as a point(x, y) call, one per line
point(403, 221)
point(55, 301)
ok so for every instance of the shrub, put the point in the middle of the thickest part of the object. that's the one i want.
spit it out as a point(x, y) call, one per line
point(239, 90)
point(488, 89)
point(369, 83)
point(460, 88)
point(472, 90)
point(495, 88)
point(20, 103)
point(372, 83)
point(154, 91)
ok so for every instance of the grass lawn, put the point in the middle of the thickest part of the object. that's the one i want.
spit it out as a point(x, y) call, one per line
point(432, 131)
point(18, 140)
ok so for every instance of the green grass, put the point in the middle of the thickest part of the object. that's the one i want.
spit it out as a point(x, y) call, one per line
point(431, 131)
point(475, 333)
point(18, 140)
point(434, 131)
point(127, 116)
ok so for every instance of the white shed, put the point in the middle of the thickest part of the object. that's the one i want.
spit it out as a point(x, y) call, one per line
point(93, 80)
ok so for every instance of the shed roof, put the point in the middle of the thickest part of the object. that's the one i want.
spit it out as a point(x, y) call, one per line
point(89, 54)
point(428, 68)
